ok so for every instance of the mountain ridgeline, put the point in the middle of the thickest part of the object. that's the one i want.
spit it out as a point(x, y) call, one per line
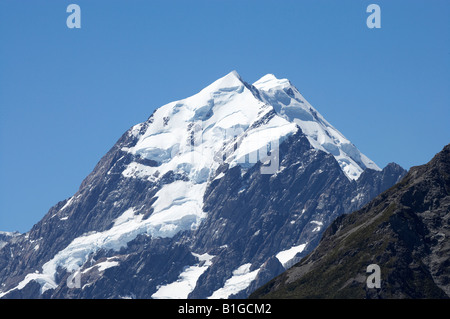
point(211, 197)
point(405, 231)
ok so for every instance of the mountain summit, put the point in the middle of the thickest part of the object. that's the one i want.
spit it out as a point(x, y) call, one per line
point(211, 197)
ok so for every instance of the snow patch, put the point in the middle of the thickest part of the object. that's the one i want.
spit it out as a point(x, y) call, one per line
point(240, 280)
point(47, 282)
point(286, 256)
point(318, 227)
point(69, 202)
point(102, 266)
point(185, 284)
point(357, 197)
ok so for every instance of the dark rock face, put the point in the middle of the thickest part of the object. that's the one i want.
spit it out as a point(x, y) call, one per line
point(404, 230)
point(250, 218)
point(6, 237)
point(257, 216)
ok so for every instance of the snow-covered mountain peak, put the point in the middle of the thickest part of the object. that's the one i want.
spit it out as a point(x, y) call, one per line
point(231, 81)
point(192, 136)
point(190, 133)
point(271, 82)
point(292, 106)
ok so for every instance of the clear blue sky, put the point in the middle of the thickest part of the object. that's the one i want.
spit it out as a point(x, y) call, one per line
point(67, 95)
